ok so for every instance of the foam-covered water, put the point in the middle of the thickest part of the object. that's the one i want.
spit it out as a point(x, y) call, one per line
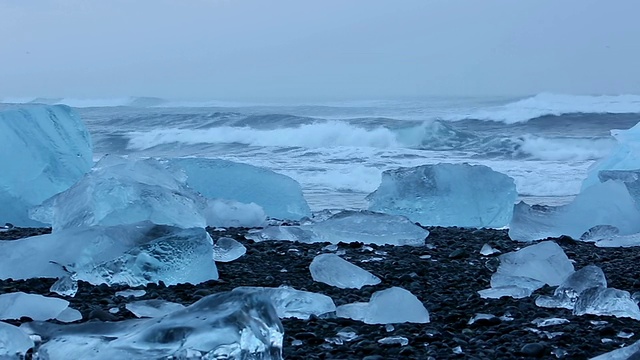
point(337, 150)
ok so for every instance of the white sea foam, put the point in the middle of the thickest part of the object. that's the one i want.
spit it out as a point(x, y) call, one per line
point(575, 149)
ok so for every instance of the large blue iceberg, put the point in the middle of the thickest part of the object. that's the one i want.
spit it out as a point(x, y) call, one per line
point(43, 151)
point(279, 195)
point(447, 195)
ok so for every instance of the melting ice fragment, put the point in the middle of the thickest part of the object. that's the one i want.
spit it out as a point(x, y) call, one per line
point(487, 250)
point(14, 342)
point(335, 271)
point(131, 292)
point(153, 308)
point(69, 315)
point(447, 195)
point(37, 307)
point(43, 151)
point(290, 302)
point(394, 340)
point(625, 353)
point(607, 203)
point(121, 191)
point(390, 306)
point(229, 213)
point(279, 195)
point(351, 226)
point(549, 322)
point(229, 325)
point(566, 295)
point(227, 249)
point(608, 302)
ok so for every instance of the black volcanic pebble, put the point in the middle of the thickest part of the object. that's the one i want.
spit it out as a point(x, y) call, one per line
point(533, 350)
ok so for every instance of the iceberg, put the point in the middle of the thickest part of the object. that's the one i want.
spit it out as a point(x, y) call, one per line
point(290, 302)
point(227, 249)
point(135, 254)
point(351, 226)
point(228, 213)
point(37, 307)
point(43, 151)
point(227, 325)
point(447, 195)
point(602, 204)
point(566, 295)
point(153, 308)
point(14, 343)
point(390, 306)
point(121, 191)
point(608, 302)
point(279, 195)
point(333, 270)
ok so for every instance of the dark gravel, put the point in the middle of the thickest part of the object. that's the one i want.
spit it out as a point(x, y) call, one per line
point(447, 283)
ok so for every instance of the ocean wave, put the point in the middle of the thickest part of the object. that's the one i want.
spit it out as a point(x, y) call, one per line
point(130, 101)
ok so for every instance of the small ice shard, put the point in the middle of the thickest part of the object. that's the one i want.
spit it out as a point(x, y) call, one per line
point(153, 308)
point(566, 295)
point(43, 151)
point(14, 343)
point(600, 232)
point(394, 340)
point(447, 195)
point(69, 315)
point(390, 306)
point(114, 310)
point(480, 317)
point(513, 291)
point(625, 335)
point(227, 249)
point(131, 292)
point(488, 250)
point(539, 322)
point(37, 307)
point(389, 328)
point(229, 213)
point(351, 226)
point(607, 203)
point(458, 350)
point(279, 195)
point(559, 353)
point(330, 247)
point(607, 302)
point(625, 353)
point(227, 325)
point(65, 286)
point(335, 271)
point(290, 302)
point(121, 191)
point(347, 334)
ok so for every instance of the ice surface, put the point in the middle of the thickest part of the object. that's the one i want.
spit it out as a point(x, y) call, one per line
point(390, 306)
point(279, 195)
point(65, 286)
point(447, 195)
point(14, 342)
point(122, 191)
point(540, 322)
point(135, 254)
point(487, 250)
point(613, 302)
point(131, 292)
point(229, 213)
point(394, 340)
point(227, 249)
point(630, 178)
point(43, 151)
point(69, 315)
point(566, 295)
point(153, 308)
point(351, 226)
point(37, 307)
point(624, 353)
point(229, 325)
point(335, 271)
point(290, 302)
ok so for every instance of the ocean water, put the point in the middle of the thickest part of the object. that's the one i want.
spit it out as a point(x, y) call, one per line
point(337, 150)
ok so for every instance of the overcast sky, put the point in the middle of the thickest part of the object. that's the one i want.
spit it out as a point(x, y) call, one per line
point(317, 49)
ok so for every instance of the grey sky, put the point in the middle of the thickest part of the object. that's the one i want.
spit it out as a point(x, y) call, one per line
point(317, 49)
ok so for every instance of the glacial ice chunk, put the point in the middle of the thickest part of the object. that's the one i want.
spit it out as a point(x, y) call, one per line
point(390, 306)
point(608, 302)
point(229, 213)
point(619, 241)
point(69, 315)
point(517, 287)
point(625, 353)
point(227, 249)
point(37, 307)
point(279, 195)
point(290, 302)
point(607, 203)
point(43, 151)
point(351, 226)
point(566, 295)
point(333, 270)
point(447, 195)
point(131, 293)
point(153, 308)
point(14, 342)
point(229, 325)
point(121, 191)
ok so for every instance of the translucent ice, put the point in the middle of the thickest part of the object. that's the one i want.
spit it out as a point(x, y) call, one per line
point(37, 307)
point(153, 308)
point(390, 306)
point(228, 213)
point(612, 302)
point(280, 196)
point(227, 249)
point(131, 292)
point(43, 151)
point(122, 191)
point(625, 353)
point(14, 342)
point(487, 250)
point(69, 315)
point(619, 241)
point(351, 226)
point(447, 195)
point(516, 287)
point(290, 302)
point(607, 203)
point(630, 178)
point(228, 325)
point(335, 271)
point(566, 295)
